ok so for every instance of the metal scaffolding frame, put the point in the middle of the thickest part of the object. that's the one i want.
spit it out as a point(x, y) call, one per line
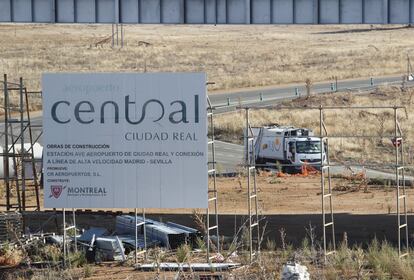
point(15, 155)
point(398, 142)
point(326, 193)
point(212, 192)
point(253, 215)
point(326, 187)
point(137, 224)
point(65, 235)
point(117, 40)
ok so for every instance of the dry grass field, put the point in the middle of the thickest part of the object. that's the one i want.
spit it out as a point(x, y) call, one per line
point(232, 56)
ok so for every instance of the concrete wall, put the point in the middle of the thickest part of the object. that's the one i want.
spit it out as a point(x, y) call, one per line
point(209, 11)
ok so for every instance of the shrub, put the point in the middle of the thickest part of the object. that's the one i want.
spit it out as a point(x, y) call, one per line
point(10, 255)
point(183, 253)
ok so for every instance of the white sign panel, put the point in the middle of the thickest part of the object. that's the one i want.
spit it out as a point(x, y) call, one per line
point(125, 140)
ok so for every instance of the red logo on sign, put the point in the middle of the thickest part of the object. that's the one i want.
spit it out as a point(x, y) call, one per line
point(396, 142)
point(56, 191)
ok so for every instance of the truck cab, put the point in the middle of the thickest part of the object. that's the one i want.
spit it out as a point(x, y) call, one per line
point(305, 151)
point(287, 146)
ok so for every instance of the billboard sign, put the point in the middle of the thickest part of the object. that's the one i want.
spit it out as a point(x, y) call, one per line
point(125, 140)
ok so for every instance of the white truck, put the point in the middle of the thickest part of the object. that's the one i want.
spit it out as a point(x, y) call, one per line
point(287, 146)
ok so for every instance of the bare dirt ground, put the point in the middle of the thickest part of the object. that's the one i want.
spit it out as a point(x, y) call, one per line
point(302, 195)
point(232, 56)
point(295, 194)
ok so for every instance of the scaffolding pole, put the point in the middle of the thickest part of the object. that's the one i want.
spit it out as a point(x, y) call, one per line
point(65, 235)
point(402, 226)
point(212, 192)
point(252, 201)
point(326, 193)
point(6, 144)
point(326, 187)
point(143, 224)
point(22, 150)
point(16, 153)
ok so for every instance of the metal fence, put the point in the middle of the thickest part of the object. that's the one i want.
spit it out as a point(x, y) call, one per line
point(209, 11)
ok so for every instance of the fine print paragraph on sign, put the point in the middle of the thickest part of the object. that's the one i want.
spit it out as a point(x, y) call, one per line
point(125, 140)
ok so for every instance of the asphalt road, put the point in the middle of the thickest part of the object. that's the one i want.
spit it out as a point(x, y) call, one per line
point(229, 101)
point(229, 156)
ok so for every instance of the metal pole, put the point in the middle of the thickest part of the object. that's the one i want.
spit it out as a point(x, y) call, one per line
point(64, 237)
point(117, 35)
point(136, 236)
point(29, 124)
point(215, 12)
point(322, 182)
point(74, 225)
point(248, 158)
point(113, 35)
point(336, 83)
point(208, 211)
point(329, 184)
point(6, 145)
point(122, 35)
point(255, 200)
point(213, 158)
point(213, 171)
point(145, 234)
point(208, 233)
point(22, 152)
point(404, 193)
point(397, 180)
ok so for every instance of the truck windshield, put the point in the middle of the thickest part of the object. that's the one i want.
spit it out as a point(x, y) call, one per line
point(308, 147)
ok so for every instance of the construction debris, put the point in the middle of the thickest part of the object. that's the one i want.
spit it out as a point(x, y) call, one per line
point(294, 271)
point(101, 245)
point(109, 249)
point(169, 266)
point(54, 239)
point(94, 232)
point(169, 235)
point(129, 242)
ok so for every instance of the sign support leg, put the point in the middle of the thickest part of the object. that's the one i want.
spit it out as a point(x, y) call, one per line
point(64, 237)
point(136, 237)
point(145, 233)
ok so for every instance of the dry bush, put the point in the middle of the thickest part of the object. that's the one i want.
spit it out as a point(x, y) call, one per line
point(10, 256)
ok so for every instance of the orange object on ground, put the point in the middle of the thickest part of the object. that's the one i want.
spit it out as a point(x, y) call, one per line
point(280, 174)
